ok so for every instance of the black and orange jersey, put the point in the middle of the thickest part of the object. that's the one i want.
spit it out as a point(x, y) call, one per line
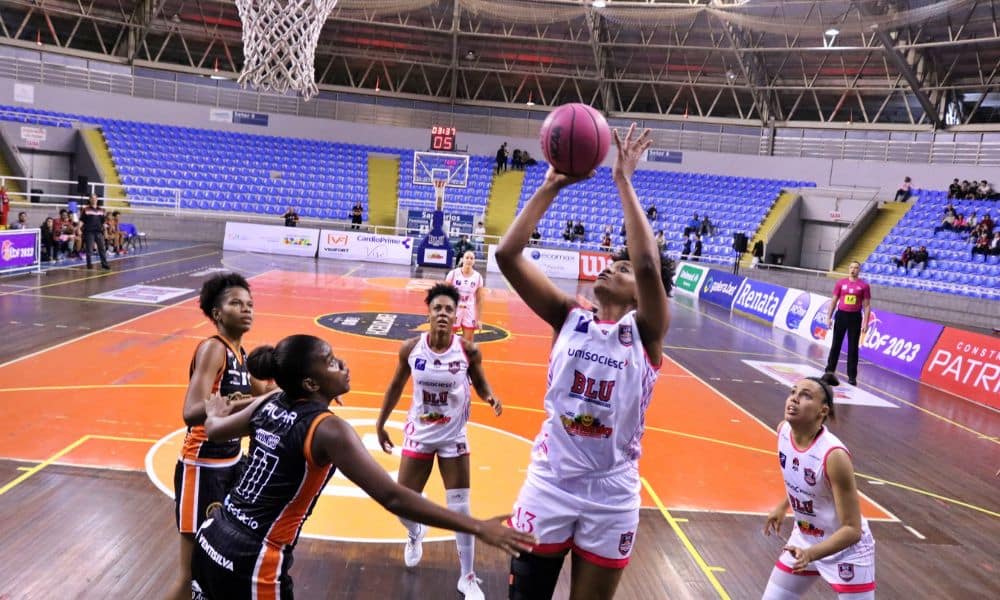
point(232, 377)
point(281, 482)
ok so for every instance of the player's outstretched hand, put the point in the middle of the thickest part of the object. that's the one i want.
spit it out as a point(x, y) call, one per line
point(495, 533)
point(384, 441)
point(774, 520)
point(630, 150)
point(497, 405)
point(803, 556)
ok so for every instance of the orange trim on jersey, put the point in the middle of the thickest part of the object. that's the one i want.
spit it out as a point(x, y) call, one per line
point(265, 577)
point(236, 351)
point(307, 445)
point(791, 438)
point(189, 500)
point(196, 436)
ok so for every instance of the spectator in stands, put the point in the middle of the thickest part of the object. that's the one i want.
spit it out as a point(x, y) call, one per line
point(959, 223)
point(696, 254)
point(995, 244)
point(693, 225)
point(50, 240)
point(971, 222)
point(463, 246)
point(479, 236)
point(515, 160)
point(357, 212)
point(579, 232)
point(291, 217)
point(985, 190)
point(536, 237)
point(987, 222)
point(527, 160)
point(947, 223)
point(502, 158)
point(661, 242)
point(686, 248)
point(955, 189)
point(706, 227)
point(920, 257)
point(21, 222)
point(651, 214)
point(905, 258)
point(981, 246)
point(606, 242)
point(904, 191)
point(567, 233)
point(4, 206)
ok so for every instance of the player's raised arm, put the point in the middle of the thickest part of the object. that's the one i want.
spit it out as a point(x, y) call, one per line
point(652, 314)
point(530, 283)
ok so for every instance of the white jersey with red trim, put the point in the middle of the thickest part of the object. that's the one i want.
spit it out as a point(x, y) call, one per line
point(441, 392)
point(467, 287)
point(809, 492)
point(600, 383)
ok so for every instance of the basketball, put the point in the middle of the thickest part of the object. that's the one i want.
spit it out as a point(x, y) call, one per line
point(575, 139)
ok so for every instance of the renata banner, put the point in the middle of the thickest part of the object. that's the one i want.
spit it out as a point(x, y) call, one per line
point(966, 364)
point(898, 343)
point(592, 263)
point(759, 300)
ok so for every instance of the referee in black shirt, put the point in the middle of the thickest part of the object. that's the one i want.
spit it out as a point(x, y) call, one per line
point(92, 217)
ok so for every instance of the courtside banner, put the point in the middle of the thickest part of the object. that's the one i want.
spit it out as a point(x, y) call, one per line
point(898, 343)
point(592, 263)
point(271, 239)
point(720, 288)
point(689, 278)
point(370, 247)
point(19, 249)
point(793, 310)
point(759, 300)
point(966, 364)
point(558, 264)
point(816, 325)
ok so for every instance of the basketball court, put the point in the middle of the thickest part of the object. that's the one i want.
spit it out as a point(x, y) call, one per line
point(93, 428)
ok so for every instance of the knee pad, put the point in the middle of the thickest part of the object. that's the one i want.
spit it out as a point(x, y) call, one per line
point(533, 577)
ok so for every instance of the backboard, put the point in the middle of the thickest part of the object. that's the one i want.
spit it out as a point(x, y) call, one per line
point(425, 164)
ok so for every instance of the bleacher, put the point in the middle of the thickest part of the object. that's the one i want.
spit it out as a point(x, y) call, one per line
point(951, 262)
point(733, 204)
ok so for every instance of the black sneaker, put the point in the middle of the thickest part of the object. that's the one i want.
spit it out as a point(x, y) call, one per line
point(106, 267)
point(853, 382)
point(830, 379)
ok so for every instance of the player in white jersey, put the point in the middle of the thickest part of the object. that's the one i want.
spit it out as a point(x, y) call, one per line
point(830, 538)
point(442, 365)
point(582, 488)
point(470, 287)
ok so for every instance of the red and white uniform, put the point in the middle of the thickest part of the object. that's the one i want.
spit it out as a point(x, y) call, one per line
point(582, 489)
point(852, 570)
point(467, 288)
point(441, 401)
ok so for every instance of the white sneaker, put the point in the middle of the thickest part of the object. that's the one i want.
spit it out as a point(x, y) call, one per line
point(469, 585)
point(414, 549)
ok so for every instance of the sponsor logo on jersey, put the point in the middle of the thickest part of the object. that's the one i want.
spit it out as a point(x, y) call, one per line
point(583, 324)
point(809, 475)
point(808, 528)
point(455, 366)
point(846, 571)
point(433, 418)
point(625, 542)
point(781, 459)
point(279, 414)
point(585, 426)
point(600, 359)
point(267, 439)
point(420, 364)
point(797, 311)
point(214, 554)
point(795, 464)
point(592, 390)
point(396, 326)
point(625, 335)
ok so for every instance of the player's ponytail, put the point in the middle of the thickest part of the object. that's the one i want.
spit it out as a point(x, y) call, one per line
point(261, 363)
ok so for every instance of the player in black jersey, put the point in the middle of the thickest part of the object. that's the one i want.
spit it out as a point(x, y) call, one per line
point(245, 549)
point(206, 469)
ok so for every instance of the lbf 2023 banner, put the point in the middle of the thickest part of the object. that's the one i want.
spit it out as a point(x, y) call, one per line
point(899, 343)
point(18, 249)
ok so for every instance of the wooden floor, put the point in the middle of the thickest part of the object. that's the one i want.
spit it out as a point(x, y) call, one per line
point(91, 389)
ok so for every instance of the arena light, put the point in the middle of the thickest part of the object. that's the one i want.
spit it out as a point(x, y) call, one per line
point(599, 4)
point(832, 31)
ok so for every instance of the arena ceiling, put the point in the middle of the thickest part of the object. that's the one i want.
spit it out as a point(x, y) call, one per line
point(915, 62)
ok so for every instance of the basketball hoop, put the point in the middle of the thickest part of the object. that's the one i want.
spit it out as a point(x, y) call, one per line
point(439, 185)
point(279, 43)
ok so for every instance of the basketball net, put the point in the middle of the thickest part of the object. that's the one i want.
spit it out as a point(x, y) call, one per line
point(279, 43)
point(439, 185)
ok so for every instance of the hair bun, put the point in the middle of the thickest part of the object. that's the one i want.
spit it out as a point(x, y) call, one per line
point(261, 362)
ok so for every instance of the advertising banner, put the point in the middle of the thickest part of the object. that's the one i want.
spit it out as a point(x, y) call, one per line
point(418, 223)
point(243, 117)
point(19, 249)
point(720, 288)
point(966, 364)
point(667, 156)
point(592, 263)
point(357, 245)
point(901, 344)
point(559, 264)
point(759, 300)
point(688, 279)
point(271, 239)
point(816, 326)
point(793, 310)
